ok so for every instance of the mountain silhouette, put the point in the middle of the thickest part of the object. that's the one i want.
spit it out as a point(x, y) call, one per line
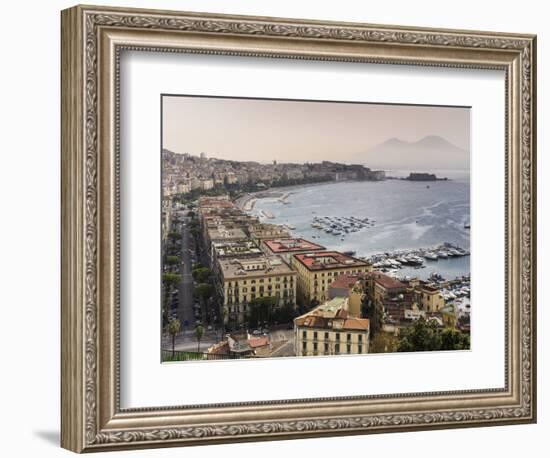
point(428, 153)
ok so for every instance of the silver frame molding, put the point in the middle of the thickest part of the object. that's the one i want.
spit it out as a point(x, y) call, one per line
point(92, 40)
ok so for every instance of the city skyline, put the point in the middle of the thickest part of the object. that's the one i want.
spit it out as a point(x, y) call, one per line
point(306, 131)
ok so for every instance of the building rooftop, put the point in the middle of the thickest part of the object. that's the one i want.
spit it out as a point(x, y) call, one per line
point(290, 245)
point(332, 315)
point(329, 260)
point(345, 281)
point(386, 281)
point(215, 202)
point(236, 248)
point(266, 230)
point(254, 267)
point(221, 233)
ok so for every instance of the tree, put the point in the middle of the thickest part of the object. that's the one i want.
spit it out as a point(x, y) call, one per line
point(201, 274)
point(283, 314)
point(170, 279)
point(203, 291)
point(384, 342)
point(199, 332)
point(452, 339)
point(260, 311)
point(225, 315)
point(174, 236)
point(427, 336)
point(174, 328)
point(423, 336)
point(172, 260)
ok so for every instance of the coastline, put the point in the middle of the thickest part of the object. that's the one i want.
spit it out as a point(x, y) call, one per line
point(454, 267)
point(247, 201)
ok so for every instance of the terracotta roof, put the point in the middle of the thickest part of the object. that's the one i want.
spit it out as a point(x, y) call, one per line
point(325, 260)
point(386, 281)
point(256, 342)
point(345, 281)
point(358, 324)
point(349, 323)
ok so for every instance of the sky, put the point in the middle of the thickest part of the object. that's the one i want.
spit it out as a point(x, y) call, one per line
point(300, 131)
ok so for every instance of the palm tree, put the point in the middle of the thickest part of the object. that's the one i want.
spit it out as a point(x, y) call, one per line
point(225, 316)
point(199, 332)
point(173, 328)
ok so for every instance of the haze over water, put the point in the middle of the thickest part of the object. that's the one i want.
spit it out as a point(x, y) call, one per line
point(407, 214)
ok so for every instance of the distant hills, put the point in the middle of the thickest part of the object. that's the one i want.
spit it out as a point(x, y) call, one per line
point(429, 153)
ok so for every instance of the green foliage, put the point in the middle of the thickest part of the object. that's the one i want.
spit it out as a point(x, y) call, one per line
point(283, 314)
point(172, 260)
point(203, 291)
point(384, 342)
point(452, 339)
point(199, 332)
point(201, 274)
point(427, 336)
point(170, 279)
point(259, 311)
point(174, 236)
point(172, 250)
point(174, 326)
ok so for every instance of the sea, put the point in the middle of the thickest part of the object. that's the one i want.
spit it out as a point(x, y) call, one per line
point(406, 215)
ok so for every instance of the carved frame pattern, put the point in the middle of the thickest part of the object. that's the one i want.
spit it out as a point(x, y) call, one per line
point(90, 21)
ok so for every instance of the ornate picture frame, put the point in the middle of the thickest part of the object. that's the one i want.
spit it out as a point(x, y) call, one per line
point(92, 40)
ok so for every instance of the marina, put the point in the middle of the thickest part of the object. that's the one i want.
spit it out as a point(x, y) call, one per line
point(391, 262)
point(374, 218)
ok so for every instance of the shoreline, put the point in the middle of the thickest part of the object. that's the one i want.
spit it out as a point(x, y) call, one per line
point(249, 202)
point(282, 192)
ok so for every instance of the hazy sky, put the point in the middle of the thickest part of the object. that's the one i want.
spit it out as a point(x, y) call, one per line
point(296, 131)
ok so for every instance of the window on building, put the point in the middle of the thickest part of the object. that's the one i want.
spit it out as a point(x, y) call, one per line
point(304, 334)
point(337, 336)
point(360, 338)
point(349, 348)
point(349, 337)
point(360, 349)
point(326, 348)
point(304, 346)
point(326, 335)
point(315, 335)
point(337, 348)
point(314, 346)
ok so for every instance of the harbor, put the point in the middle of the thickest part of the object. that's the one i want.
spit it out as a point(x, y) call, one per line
point(390, 220)
point(418, 258)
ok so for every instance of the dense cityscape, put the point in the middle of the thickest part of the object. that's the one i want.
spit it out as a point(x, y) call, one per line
point(236, 286)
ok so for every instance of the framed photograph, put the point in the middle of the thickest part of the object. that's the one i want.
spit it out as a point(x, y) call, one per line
point(277, 228)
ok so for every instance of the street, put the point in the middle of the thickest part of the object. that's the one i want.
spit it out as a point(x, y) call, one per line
point(185, 306)
point(187, 341)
